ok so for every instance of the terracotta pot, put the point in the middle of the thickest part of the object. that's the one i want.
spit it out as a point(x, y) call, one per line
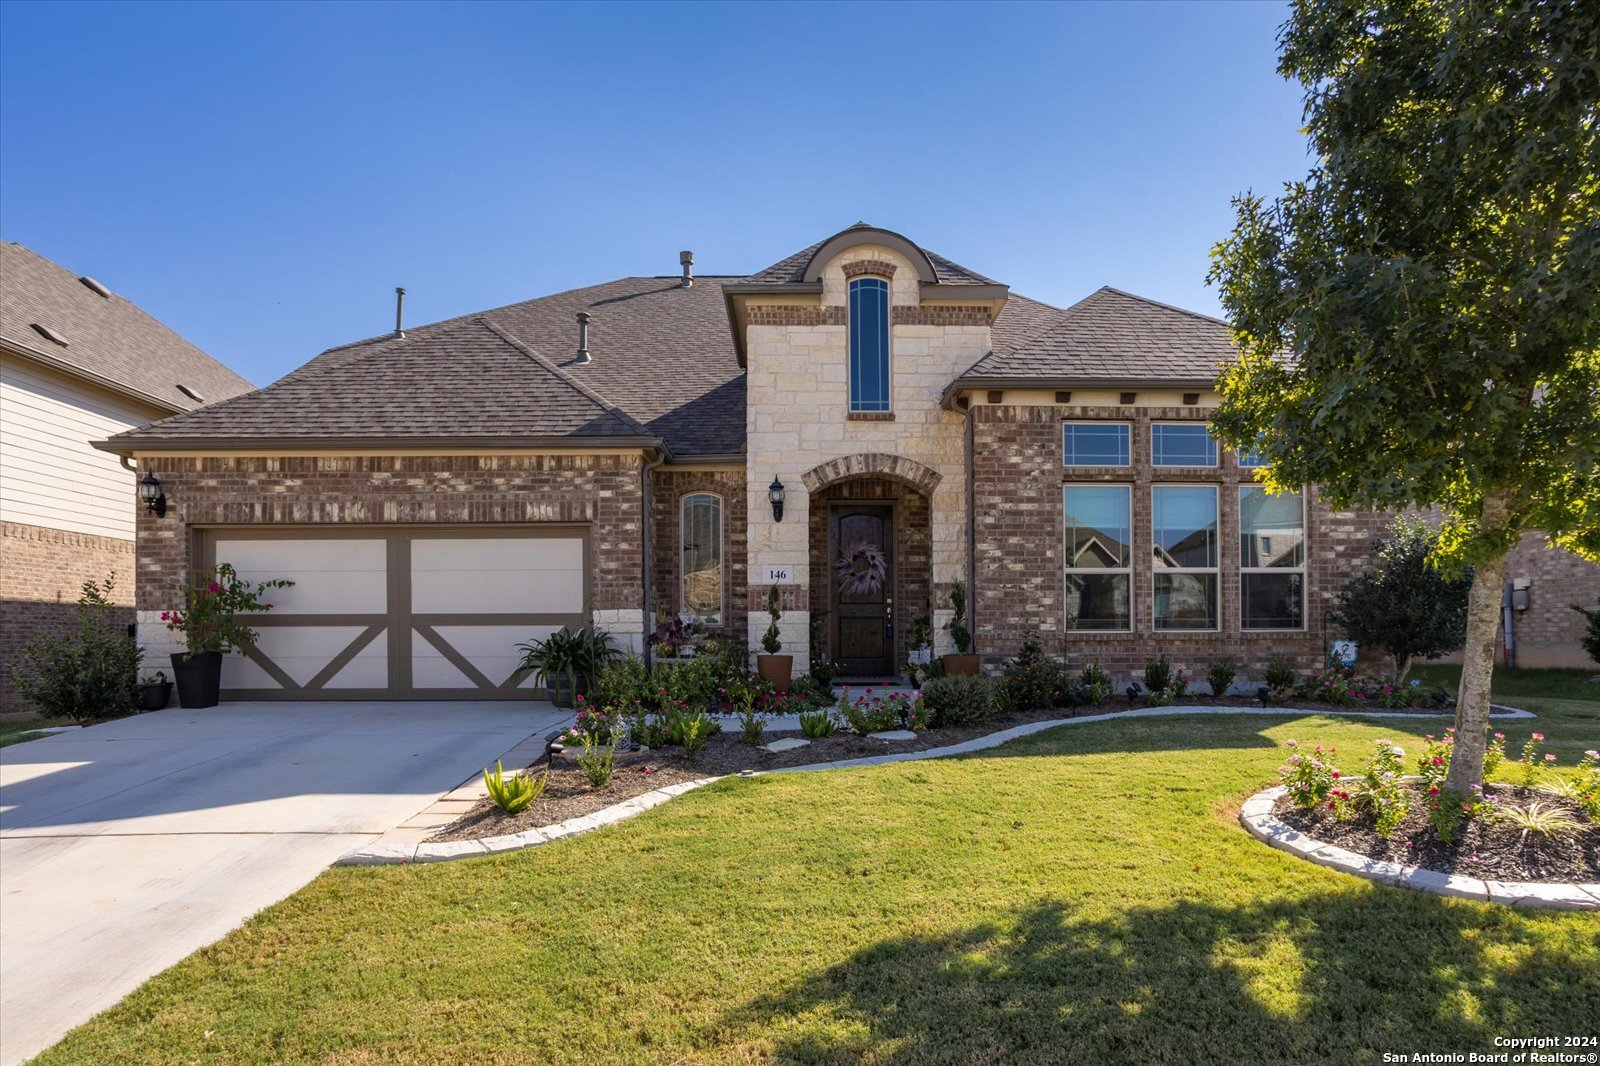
point(199, 678)
point(960, 665)
point(776, 669)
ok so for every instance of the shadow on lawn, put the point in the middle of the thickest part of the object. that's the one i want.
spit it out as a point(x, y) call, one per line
point(1341, 977)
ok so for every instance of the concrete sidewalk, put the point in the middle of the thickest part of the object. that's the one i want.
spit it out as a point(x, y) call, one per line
point(126, 846)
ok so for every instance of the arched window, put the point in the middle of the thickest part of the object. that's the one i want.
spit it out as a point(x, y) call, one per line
point(702, 578)
point(869, 344)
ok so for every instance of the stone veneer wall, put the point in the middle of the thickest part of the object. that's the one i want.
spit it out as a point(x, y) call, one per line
point(667, 488)
point(913, 553)
point(602, 491)
point(1018, 474)
point(799, 418)
point(42, 572)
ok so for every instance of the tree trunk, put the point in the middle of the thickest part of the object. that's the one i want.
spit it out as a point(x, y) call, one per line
point(1402, 667)
point(1477, 656)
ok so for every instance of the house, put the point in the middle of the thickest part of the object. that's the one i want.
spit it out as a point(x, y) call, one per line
point(861, 426)
point(77, 362)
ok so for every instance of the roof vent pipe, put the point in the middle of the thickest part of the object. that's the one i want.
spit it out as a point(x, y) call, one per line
point(399, 306)
point(583, 339)
point(687, 260)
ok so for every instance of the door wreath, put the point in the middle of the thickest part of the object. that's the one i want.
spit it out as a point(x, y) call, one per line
point(862, 568)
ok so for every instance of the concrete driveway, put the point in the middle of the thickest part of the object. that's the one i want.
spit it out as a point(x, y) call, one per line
point(126, 846)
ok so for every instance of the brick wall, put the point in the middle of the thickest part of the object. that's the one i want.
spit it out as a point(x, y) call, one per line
point(1548, 632)
point(1018, 477)
point(600, 491)
point(42, 572)
point(668, 488)
point(912, 562)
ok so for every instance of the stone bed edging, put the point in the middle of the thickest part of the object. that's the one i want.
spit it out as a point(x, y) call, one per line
point(381, 854)
point(1258, 820)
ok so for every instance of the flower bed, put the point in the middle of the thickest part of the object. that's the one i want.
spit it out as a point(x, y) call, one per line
point(1542, 827)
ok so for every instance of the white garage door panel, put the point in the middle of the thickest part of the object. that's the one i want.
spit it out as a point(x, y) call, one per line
point(471, 579)
point(497, 575)
point(330, 576)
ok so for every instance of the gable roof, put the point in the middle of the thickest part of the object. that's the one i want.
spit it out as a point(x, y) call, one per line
point(108, 339)
point(1110, 336)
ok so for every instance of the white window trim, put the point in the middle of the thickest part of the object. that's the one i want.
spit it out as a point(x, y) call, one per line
point(1067, 571)
point(1302, 569)
point(722, 555)
point(888, 363)
point(1215, 571)
point(1065, 422)
point(1216, 454)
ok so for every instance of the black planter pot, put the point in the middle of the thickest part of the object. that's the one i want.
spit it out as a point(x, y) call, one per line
point(199, 677)
point(561, 689)
point(156, 695)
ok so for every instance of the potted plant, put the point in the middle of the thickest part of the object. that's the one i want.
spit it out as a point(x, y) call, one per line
point(962, 662)
point(210, 626)
point(566, 661)
point(154, 692)
point(920, 654)
point(774, 668)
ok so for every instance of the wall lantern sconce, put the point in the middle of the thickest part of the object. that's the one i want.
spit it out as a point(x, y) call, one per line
point(775, 495)
point(155, 501)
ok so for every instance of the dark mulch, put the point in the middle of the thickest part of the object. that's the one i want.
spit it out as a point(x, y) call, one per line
point(1485, 847)
point(568, 794)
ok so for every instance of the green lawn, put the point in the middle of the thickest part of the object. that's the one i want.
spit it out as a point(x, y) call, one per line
point(1084, 895)
point(16, 730)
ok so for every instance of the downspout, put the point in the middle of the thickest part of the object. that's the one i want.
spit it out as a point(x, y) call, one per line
point(647, 503)
point(972, 535)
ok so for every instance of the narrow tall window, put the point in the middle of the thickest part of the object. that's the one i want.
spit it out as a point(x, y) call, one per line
point(869, 345)
point(702, 557)
point(1183, 520)
point(1272, 559)
point(1099, 556)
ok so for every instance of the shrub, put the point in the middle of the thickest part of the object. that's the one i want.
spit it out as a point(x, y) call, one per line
point(1096, 684)
point(693, 732)
point(808, 690)
point(1162, 684)
point(960, 636)
point(873, 714)
point(90, 673)
point(597, 761)
point(1309, 778)
point(1220, 675)
point(601, 724)
point(1280, 676)
point(516, 793)
point(1333, 686)
point(1591, 634)
point(818, 724)
point(209, 620)
point(752, 723)
point(623, 685)
point(1404, 605)
point(957, 701)
point(1033, 681)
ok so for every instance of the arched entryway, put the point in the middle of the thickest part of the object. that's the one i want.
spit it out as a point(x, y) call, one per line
point(871, 555)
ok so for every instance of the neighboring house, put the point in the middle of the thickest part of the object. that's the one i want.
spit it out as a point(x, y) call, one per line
point(610, 454)
point(77, 363)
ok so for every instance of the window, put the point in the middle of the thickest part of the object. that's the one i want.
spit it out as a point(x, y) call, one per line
point(1182, 444)
point(1183, 520)
point(1251, 458)
point(1094, 443)
point(869, 344)
point(1099, 556)
point(702, 557)
point(1272, 559)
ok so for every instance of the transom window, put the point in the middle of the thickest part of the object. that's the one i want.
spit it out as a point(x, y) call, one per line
point(869, 344)
point(1272, 559)
point(1099, 556)
point(1182, 444)
point(1094, 443)
point(701, 594)
point(1252, 458)
point(1183, 521)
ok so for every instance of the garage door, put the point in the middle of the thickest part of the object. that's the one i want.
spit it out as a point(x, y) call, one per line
point(410, 614)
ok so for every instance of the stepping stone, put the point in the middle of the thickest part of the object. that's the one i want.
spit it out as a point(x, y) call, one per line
point(786, 744)
point(893, 734)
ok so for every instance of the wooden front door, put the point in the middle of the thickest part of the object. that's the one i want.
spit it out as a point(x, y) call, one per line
point(861, 630)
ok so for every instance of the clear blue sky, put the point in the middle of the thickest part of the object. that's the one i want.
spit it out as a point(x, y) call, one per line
point(260, 177)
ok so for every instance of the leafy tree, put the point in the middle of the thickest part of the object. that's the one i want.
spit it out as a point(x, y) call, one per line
point(90, 673)
point(1404, 604)
point(1419, 317)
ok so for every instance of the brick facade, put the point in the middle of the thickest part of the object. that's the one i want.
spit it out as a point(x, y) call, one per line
point(1018, 476)
point(42, 576)
point(1548, 632)
point(667, 489)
